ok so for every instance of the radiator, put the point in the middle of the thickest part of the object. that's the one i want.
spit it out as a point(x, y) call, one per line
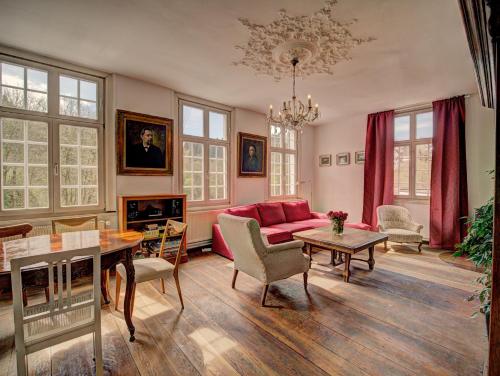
point(199, 231)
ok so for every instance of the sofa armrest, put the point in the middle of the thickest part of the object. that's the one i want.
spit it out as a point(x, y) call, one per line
point(285, 246)
point(318, 215)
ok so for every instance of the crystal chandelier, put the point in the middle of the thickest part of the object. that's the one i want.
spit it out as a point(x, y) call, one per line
point(294, 115)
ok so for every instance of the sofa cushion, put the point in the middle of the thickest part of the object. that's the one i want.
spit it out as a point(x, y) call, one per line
point(360, 226)
point(271, 213)
point(292, 227)
point(276, 235)
point(247, 211)
point(314, 222)
point(296, 210)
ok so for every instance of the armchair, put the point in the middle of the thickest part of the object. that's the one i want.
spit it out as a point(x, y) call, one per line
point(267, 263)
point(396, 222)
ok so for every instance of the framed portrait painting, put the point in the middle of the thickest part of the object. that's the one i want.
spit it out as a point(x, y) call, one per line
point(144, 144)
point(252, 155)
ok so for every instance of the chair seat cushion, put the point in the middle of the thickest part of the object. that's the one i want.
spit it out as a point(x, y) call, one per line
point(314, 222)
point(148, 269)
point(400, 235)
point(292, 227)
point(276, 235)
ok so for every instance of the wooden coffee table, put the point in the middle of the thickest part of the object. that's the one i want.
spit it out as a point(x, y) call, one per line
point(342, 247)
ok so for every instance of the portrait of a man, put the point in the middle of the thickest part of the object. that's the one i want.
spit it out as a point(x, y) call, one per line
point(144, 143)
point(252, 155)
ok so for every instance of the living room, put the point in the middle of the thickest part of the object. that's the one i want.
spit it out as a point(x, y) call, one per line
point(282, 187)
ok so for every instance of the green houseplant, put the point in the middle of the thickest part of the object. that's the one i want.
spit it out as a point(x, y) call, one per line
point(478, 246)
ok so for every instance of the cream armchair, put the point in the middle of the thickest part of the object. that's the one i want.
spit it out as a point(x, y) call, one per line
point(267, 263)
point(396, 222)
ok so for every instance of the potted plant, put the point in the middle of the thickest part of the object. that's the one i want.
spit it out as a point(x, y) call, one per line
point(478, 246)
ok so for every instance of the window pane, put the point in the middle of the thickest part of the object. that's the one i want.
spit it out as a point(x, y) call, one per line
point(68, 106)
point(217, 124)
point(192, 121)
point(88, 90)
point(276, 174)
point(36, 101)
point(424, 125)
point(402, 128)
point(88, 110)
point(68, 86)
point(217, 189)
point(79, 166)
point(275, 136)
point(290, 142)
point(290, 178)
point(37, 80)
point(193, 172)
point(29, 174)
point(12, 97)
point(12, 75)
point(423, 163)
point(402, 170)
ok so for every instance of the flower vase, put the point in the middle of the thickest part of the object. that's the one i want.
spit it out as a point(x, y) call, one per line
point(338, 227)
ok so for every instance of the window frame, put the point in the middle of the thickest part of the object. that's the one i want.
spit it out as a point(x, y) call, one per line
point(412, 143)
point(283, 151)
point(53, 119)
point(206, 141)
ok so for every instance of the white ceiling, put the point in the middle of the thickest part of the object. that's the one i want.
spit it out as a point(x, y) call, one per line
point(420, 52)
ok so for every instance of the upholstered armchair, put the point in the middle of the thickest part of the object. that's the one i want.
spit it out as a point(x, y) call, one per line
point(267, 263)
point(396, 222)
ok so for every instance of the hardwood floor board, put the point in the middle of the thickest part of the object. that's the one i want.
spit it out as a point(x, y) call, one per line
point(321, 345)
point(410, 352)
point(282, 358)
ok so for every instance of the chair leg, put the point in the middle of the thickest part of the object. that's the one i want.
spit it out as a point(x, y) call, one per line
point(235, 274)
point(98, 353)
point(420, 247)
point(176, 277)
point(264, 294)
point(385, 245)
point(162, 285)
point(305, 281)
point(118, 286)
point(22, 367)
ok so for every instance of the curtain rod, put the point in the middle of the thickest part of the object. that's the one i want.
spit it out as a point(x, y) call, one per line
point(419, 106)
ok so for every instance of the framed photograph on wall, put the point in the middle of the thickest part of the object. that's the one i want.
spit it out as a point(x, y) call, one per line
point(343, 159)
point(144, 144)
point(359, 157)
point(252, 155)
point(325, 160)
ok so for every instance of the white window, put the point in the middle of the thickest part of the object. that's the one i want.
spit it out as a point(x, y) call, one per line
point(49, 163)
point(283, 175)
point(205, 143)
point(413, 154)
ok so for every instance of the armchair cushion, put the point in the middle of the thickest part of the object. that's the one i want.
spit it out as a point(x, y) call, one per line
point(399, 235)
point(296, 210)
point(271, 213)
point(247, 211)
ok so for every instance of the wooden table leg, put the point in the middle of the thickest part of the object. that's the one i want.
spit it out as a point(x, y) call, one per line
point(347, 272)
point(309, 252)
point(104, 285)
point(129, 291)
point(334, 256)
point(371, 259)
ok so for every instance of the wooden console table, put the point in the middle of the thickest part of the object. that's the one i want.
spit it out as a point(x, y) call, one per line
point(349, 243)
point(115, 247)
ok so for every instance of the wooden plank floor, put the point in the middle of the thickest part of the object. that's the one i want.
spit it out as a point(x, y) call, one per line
point(407, 317)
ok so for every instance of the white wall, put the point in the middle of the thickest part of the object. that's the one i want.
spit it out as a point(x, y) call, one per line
point(341, 187)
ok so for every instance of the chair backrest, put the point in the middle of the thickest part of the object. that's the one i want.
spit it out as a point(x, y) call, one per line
point(244, 239)
point(14, 231)
point(174, 228)
point(55, 319)
point(392, 216)
point(74, 224)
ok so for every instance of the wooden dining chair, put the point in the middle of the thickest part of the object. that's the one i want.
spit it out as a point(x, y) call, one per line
point(72, 314)
point(151, 268)
point(12, 233)
point(61, 225)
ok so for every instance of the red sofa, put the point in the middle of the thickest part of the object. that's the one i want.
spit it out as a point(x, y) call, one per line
point(277, 220)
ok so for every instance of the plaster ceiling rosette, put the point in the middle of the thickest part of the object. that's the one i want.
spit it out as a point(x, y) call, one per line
point(319, 42)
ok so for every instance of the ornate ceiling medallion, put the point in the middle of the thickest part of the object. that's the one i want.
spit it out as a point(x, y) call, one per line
point(318, 41)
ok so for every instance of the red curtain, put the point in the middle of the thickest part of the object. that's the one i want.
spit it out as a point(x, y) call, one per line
point(379, 165)
point(449, 201)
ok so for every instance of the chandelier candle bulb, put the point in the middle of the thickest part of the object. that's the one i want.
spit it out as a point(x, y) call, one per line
point(309, 100)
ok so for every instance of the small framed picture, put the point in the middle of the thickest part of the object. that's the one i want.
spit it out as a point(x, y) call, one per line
point(325, 160)
point(359, 157)
point(343, 159)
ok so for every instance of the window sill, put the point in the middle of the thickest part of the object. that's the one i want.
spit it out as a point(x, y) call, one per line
point(412, 200)
point(205, 208)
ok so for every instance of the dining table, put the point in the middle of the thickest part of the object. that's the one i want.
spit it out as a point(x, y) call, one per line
point(116, 247)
